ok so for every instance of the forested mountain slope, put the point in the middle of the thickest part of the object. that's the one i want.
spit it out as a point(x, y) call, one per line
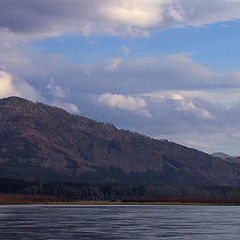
point(40, 142)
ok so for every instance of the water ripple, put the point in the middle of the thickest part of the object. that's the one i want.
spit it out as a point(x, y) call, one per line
point(43, 222)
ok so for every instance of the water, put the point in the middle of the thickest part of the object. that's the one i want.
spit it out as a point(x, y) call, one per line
point(44, 222)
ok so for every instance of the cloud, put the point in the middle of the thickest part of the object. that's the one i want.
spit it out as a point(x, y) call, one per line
point(34, 19)
point(165, 111)
point(180, 103)
point(16, 87)
point(10, 86)
point(227, 97)
point(73, 108)
point(146, 13)
point(149, 14)
point(6, 87)
point(149, 74)
point(123, 75)
point(56, 90)
point(70, 107)
point(113, 64)
point(188, 120)
point(129, 103)
point(116, 17)
point(120, 75)
point(187, 105)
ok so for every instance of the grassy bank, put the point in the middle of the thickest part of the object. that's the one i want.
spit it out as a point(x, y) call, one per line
point(26, 199)
point(12, 199)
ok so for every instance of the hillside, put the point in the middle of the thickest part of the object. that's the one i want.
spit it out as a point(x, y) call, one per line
point(40, 142)
point(221, 155)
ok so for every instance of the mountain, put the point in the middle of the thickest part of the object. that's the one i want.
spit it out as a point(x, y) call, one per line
point(221, 155)
point(234, 161)
point(41, 142)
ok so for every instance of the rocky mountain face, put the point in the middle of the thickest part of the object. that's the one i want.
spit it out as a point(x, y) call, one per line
point(40, 142)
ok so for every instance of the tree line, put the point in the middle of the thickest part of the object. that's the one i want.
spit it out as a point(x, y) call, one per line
point(65, 191)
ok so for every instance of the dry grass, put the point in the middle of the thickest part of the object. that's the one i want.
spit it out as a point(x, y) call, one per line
point(26, 199)
point(42, 199)
point(39, 200)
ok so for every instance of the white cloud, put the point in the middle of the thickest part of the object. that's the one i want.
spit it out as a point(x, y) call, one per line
point(10, 86)
point(56, 90)
point(129, 103)
point(143, 104)
point(144, 13)
point(227, 97)
point(187, 105)
point(70, 107)
point(16, 87)
point(117, 17)
point(181, 103)
point(73, 108)
point(6, 87)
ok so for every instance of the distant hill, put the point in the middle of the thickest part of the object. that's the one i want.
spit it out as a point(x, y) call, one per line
point(221, 155)
point(40, 142)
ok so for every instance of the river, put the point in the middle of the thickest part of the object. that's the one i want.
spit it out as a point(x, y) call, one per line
point(57, 222)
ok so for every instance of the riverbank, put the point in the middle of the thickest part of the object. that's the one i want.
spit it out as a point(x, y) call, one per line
point(108, 203)
point(19, 199)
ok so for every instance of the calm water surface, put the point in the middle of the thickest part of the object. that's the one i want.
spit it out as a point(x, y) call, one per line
point(119, 222)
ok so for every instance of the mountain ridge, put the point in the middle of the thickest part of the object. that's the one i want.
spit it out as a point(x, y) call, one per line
point(41, 142)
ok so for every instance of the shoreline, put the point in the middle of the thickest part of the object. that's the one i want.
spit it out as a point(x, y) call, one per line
point(109, 203)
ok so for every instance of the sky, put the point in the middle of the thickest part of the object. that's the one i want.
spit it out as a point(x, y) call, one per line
point(169, 69)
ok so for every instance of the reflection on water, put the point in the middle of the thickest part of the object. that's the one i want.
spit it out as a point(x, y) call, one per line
point(118, 222)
